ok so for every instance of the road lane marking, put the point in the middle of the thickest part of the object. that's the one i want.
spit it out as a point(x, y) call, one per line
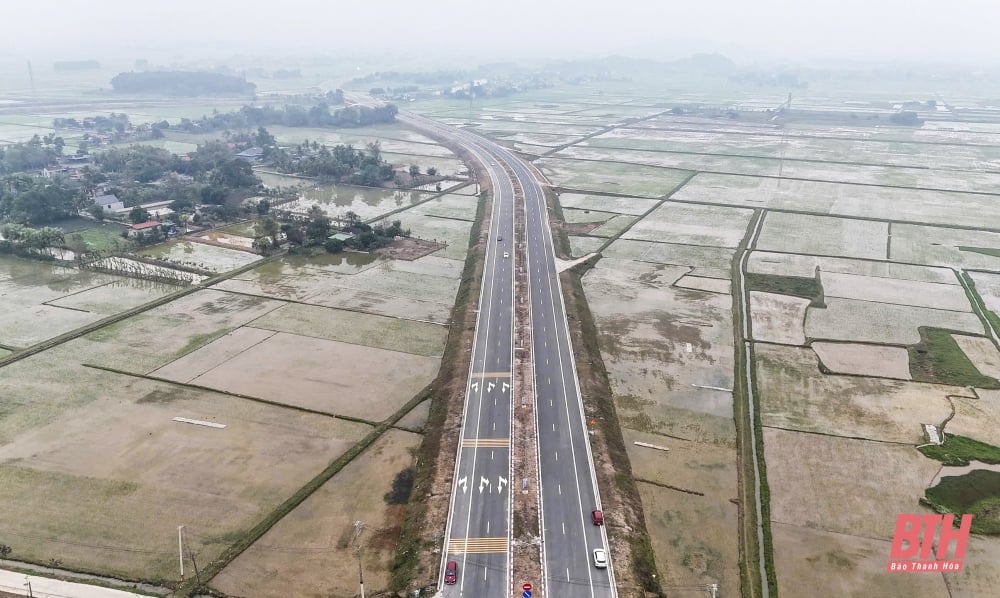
point(477, 545)
point(491, 375)
point(485, 442)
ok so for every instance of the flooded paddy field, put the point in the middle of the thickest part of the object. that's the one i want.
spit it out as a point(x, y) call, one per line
point(199, 255)
point(272, 180)
point(39, 300)
point(366, 202)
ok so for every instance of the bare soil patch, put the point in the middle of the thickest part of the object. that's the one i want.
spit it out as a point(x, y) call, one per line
point(311, 548)
point(864, 360)
point(977, 418)
point(843, 485)
point(981, 352)
point(380, 332)
point(839, 565)
point(795, 395)
point(103, 485)
point(410, 249)
point(328, 376)
point(690, 487)
point(778, 318)
point(980, 575)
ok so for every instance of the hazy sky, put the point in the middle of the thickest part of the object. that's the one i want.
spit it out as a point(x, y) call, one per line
point(785, 30)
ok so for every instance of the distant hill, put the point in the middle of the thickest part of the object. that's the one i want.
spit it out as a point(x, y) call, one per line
point(181, 83)
point(711, 64)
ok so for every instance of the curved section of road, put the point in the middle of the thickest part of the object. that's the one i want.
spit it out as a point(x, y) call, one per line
point(568, 481)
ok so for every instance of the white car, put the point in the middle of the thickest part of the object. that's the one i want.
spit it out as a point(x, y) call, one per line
point(506, 255)
point(600, 558)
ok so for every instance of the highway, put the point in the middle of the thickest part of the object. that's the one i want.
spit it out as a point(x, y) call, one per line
point(479, 522)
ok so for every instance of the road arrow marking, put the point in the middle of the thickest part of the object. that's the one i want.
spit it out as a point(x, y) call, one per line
point(500, 484)
point(464, 483)
point(505, 387)
point(475, 387)
point(490, 386)
point(483, 483)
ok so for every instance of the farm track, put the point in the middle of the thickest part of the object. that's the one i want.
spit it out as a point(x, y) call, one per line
point(757, 560)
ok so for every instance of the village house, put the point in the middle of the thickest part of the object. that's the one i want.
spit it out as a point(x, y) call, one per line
point(143, 228)
point(110, 203)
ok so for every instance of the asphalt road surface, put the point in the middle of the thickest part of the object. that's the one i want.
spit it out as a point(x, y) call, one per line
point(479, 520)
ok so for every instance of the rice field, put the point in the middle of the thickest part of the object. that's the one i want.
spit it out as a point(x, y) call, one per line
point(671, 222)
point(864, 321)
point(820, 235)
point(199, 255)
point(635, 206)
point(838, 199)
point(640, 181)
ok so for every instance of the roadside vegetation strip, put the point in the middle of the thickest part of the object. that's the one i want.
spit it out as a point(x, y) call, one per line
point(190, 587)
point(182, 292)
point(960, 451)
point(937, 358)
point(757, 562)
point(413, 531)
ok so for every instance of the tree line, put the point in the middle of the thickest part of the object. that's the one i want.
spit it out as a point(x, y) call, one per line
point(319, 115)
point(181, 83)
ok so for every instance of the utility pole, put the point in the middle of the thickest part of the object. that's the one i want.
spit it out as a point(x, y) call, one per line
point(359, 528)
point(180, 548)
point(27, 582)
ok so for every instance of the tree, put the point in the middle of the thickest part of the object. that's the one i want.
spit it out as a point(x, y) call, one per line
point(263, 207)
point(264, 138)
point(432, 171)
point(138, 215)
point(318, 226)
point(334, 245)
point(415, 171)
point(262, 244)
point(5, 551)
point(269, 228)
point(97, 212)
